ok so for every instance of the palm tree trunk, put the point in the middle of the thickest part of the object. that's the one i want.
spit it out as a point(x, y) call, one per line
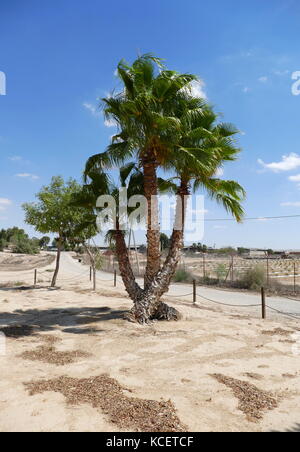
point(148, 305)
point(132, 288)
point(59, 247)
point(153, 232)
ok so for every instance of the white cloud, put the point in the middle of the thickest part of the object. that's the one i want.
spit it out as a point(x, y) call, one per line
point(219, 172)
point(15, 158)
point(263, 79)
point(27, 176)
point(262, 219)
point(4, 203)
point(110, 123)
point(91, 108)
point(288, 163)
point(197, 89)
point(295, 178)
point(219, 226)
point(290, 204)
point(281, 73)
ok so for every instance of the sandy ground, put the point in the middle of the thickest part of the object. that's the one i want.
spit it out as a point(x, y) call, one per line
point(13, 262)
point(165, 360)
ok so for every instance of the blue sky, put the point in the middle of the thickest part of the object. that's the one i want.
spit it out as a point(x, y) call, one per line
point(60, 56)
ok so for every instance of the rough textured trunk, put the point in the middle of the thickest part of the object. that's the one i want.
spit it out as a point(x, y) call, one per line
point(55, 274)
point(148, 305)
point(153, 231)
point(132, 288)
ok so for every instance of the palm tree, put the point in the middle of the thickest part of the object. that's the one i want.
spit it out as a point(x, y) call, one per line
point(206, 150)
point(144, 112)
point(162, 125)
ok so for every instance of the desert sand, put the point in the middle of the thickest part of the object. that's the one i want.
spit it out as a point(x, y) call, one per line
point(169, 361)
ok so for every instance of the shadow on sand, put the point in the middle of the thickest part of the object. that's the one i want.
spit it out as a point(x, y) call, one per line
point(73, 320)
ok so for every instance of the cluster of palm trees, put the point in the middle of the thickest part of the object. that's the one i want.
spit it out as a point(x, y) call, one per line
point(162, 126)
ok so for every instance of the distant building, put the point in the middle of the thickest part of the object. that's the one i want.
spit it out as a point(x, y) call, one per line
point(255, 253)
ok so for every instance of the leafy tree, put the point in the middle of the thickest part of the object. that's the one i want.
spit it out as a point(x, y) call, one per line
point(25, 245)
point(44, 241)
point(53, 213)
point(3, 244)
point(164, 241)
point(16, 239)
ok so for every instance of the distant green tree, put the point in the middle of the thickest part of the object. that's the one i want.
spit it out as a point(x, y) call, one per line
point(229, 250)
point(3, 244)
point(53, 213)
point(44, 241)
point(164, 241)
point(242, 250)
point(18, 241)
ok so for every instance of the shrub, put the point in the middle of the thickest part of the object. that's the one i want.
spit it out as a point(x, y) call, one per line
point(221, 271)
point(26, 246)
point(182, 275)
point(254, 278)
point(3, 244)
point(99, 262)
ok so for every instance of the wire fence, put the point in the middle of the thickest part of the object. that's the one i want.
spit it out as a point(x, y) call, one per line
point(233, 270)
point(88, 275)
point(262, 304)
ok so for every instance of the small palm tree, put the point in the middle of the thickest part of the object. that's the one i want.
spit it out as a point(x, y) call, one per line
point(205, 151)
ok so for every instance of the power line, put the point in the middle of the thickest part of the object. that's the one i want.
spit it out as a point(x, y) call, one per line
point(253, 218)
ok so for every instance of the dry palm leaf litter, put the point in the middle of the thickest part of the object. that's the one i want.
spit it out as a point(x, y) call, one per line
point(107, 394)
point(277, 332)
point(49, 354)
point(252, 401)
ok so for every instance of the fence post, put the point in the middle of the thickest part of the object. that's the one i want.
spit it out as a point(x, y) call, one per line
point(294, 277)
point(263, 302)
point(115, 278)
point(268, 272)
point(35, 277)
point(94, 279)
point(194, 291)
